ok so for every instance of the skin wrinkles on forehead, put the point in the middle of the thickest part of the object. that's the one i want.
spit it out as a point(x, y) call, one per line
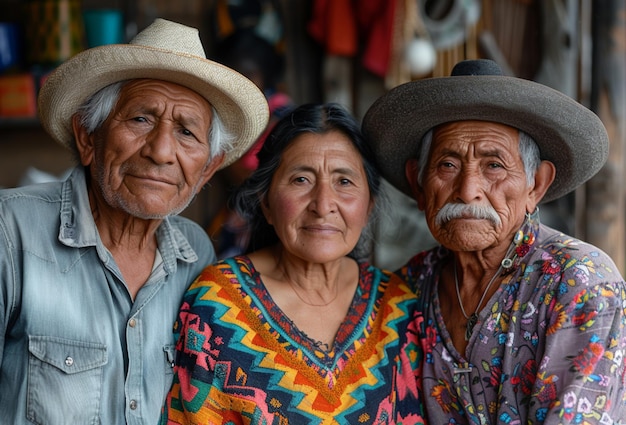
point(478, 149)
point(185, 112)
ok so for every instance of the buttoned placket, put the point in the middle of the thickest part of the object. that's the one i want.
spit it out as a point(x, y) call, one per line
point(463, 373)
point(135, 344)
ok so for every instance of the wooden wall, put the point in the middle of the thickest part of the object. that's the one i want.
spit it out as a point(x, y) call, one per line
point(513, 31)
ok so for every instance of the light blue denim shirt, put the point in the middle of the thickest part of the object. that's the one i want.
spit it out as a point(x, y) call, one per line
point(75, 348)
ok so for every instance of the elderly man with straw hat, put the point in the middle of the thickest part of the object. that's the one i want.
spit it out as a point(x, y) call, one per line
point(522, 324)
point(93, 269)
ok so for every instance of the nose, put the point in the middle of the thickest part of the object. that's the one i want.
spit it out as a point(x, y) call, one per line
point(469, 186)
point(160, 144)
point(323, 201)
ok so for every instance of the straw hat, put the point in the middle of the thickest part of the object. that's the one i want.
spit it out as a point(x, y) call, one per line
point(568, 134)
point(166, 51)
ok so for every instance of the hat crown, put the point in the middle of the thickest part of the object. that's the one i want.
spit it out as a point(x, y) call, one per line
point(476, 67)
point(172, 36)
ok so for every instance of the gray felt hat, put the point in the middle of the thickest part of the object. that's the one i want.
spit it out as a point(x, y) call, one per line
point(568, 134)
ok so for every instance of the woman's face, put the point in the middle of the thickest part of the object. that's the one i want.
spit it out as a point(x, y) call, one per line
point(319, 199)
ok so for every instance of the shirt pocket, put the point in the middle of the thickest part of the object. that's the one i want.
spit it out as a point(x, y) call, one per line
point(64, 380)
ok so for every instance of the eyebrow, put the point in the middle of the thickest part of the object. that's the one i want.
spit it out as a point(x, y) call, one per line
point(340, 170)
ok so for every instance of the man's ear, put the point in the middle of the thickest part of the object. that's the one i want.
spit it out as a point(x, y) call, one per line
point(544, 176)
point(411, 172)
point(210, 169)
point(84, 142)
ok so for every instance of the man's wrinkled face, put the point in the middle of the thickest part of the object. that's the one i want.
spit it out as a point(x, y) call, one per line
point(475, 193)
point(151, 155)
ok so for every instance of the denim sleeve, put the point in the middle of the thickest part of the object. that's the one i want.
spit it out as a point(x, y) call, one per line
point(7, 284)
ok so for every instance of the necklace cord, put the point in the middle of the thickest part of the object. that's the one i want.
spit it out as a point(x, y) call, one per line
point(519, 239)
point(482, 298)
point(293, 288)
point(278, 257)
point(472, 318)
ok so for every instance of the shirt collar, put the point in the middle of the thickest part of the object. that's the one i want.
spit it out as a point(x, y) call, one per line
point(78, 228)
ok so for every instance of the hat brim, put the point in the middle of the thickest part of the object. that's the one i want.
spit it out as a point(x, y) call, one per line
point(240, 104)
point(568, 134)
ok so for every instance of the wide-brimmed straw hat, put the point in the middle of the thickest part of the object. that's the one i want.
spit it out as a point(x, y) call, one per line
point(568, 134)
point(165, 51)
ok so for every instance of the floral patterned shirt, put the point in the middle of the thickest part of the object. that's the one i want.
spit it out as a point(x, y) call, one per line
point(548, 347)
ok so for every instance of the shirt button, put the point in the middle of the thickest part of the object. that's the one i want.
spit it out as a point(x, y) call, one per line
point(132, 323)
point(133, 404)
point(69, 361)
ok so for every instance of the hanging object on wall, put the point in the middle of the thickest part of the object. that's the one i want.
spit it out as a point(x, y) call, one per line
point(54, 31)
point(420, 56)
point(269, 26)
point(260, 16)
point(420, 52)
point(333, 25)
point(447, 20)
point(413, 54)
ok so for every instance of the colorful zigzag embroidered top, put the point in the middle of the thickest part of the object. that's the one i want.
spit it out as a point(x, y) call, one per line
point(240, 360)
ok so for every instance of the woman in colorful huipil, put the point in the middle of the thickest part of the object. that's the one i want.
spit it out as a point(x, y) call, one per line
point(301, 330)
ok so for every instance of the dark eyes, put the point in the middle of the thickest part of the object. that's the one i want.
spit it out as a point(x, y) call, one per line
point(342, 182)
point(491, 165)
point(184, 131)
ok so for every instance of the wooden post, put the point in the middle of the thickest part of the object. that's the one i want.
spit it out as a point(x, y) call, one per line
point(606, 193)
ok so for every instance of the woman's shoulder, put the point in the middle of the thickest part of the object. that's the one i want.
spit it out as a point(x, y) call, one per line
point(386, 280)
point(232, 269)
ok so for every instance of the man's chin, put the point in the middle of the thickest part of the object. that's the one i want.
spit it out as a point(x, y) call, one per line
point(149, 212)
point(467, 235)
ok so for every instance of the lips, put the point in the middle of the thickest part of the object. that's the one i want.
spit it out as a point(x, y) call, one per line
point(321, 228)
point(154, 179)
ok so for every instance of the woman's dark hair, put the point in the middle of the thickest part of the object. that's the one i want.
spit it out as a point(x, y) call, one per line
point(308, 118)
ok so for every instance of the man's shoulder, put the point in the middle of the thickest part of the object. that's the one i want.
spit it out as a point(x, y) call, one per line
point(552, 243)
point(187, 226)
point(195, 236)
point(571, 259)
point(48, 192)
point(26, 203)
point(422, 264)
point(427, 258)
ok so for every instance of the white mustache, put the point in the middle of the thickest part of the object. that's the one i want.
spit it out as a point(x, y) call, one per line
point(451, 211)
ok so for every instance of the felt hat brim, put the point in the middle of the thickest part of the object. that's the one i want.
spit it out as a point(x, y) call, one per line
point(164, 51)
point(568, 134)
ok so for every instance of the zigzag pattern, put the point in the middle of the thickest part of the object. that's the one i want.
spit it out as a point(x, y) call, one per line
point(240, 361)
